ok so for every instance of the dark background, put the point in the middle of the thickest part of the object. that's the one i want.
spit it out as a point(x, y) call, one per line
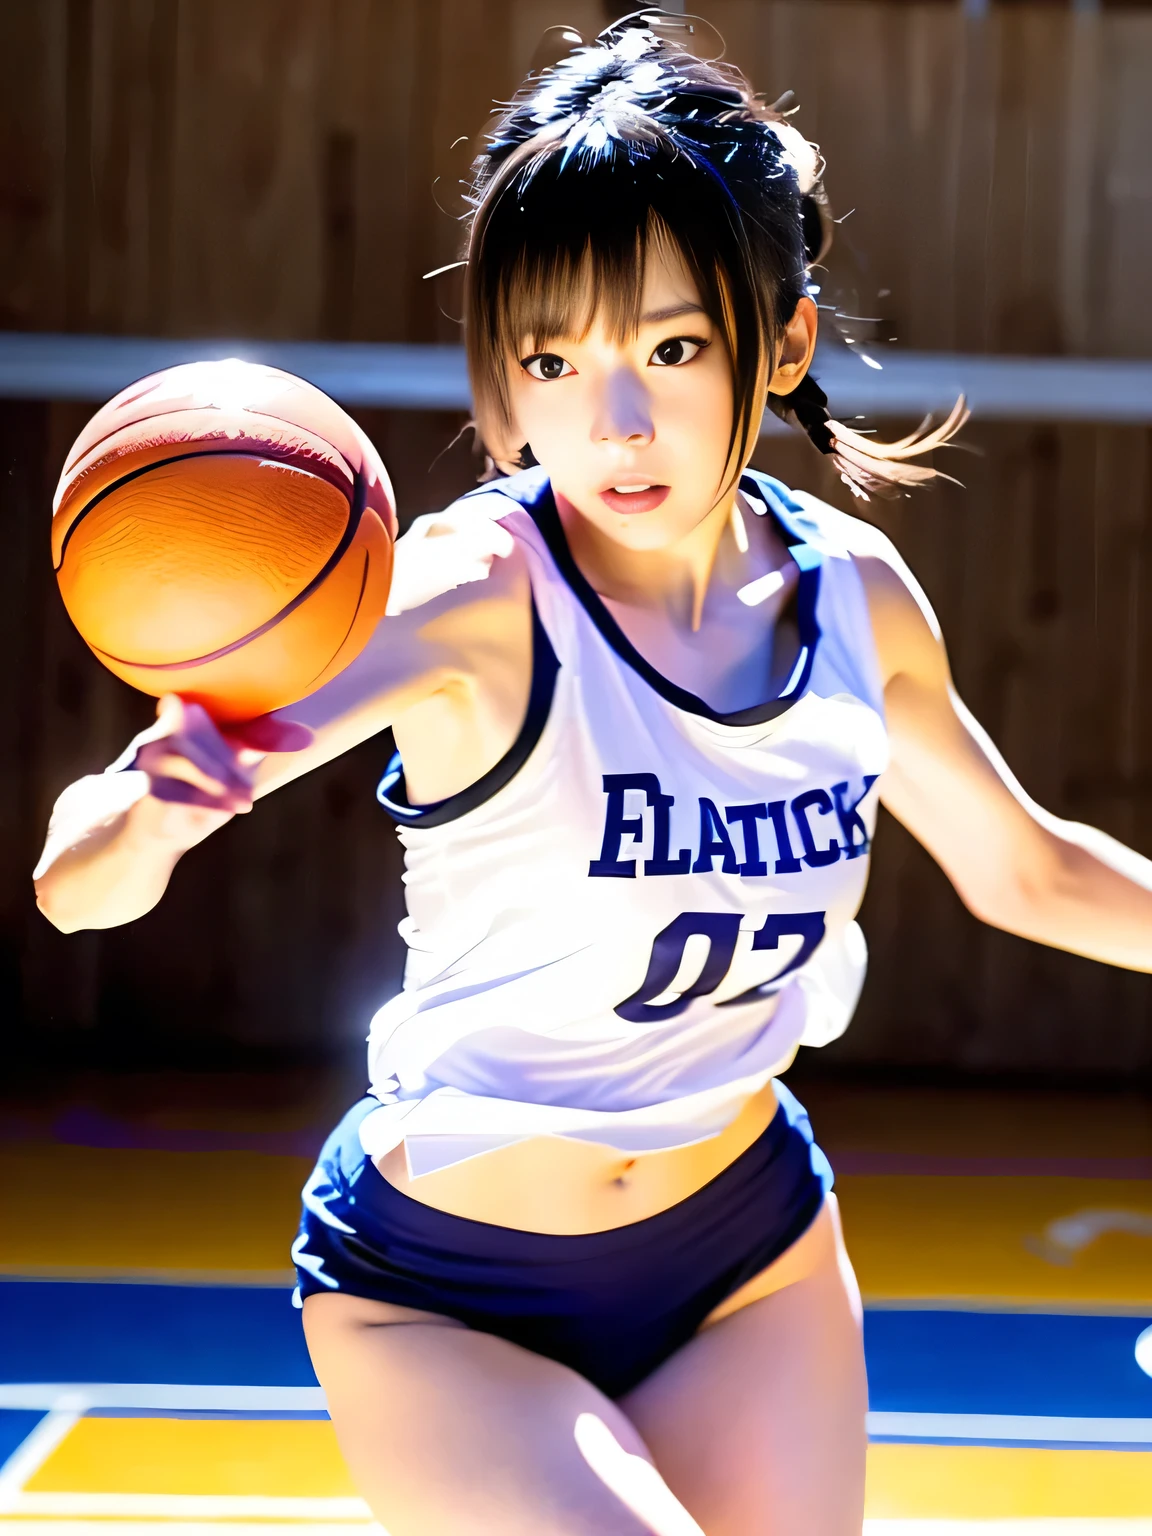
point(288, 169)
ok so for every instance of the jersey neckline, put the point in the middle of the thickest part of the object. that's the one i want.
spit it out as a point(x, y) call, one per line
point(542, 509)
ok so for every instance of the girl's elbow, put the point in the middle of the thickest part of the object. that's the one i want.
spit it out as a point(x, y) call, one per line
point(1015, 894)
point(50, 905)
point(71, 906)
point(993, 904)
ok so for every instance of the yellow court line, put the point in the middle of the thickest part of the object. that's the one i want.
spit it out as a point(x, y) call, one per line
point(950, 1482)
point(164, 1458)
point(103, 1213)
point(854, 1119)
point(282, 1469)
point(920, 1236)
point(107, 1210)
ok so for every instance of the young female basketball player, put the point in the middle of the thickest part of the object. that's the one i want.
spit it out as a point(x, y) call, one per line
point(574, 1267)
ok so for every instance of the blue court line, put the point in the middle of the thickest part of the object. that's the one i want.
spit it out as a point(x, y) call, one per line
point(934, 1361)
point(16, 1424)
point(99, 1331)
point(1005, 1362)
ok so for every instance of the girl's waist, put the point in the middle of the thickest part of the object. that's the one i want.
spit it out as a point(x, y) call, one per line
point(564, 1183)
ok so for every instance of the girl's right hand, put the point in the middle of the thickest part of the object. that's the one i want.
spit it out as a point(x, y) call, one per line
point(200, 775)
point(115, 837)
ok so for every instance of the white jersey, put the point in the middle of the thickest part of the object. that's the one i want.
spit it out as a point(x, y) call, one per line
point(626, 928)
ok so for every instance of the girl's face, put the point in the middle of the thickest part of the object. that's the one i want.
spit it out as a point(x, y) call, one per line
point(634, 434)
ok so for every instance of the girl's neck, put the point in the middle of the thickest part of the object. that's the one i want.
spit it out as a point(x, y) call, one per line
point(672, 581)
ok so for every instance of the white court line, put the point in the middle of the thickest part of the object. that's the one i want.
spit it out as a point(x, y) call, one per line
point(36, 1447)
point(175, 1397)
point(194, 1506)
point(163, 1395)
point(1007, 1427)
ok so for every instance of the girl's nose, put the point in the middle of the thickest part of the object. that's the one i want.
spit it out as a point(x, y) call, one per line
point(625, 412)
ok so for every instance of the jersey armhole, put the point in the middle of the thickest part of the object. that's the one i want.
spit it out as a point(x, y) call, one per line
point(392, 791)
point(851, 539)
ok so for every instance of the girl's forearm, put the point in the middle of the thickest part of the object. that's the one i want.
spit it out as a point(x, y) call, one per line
point(105, 861)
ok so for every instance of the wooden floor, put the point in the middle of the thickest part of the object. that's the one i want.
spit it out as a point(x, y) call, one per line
point(153, 1376)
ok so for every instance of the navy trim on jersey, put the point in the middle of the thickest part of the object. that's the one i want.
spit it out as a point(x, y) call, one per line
point(542, 510)
point(392, 792)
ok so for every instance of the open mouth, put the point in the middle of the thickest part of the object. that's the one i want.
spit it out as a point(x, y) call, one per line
point(634, 498)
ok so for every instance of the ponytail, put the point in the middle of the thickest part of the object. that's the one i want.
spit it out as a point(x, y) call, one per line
point(867, 466)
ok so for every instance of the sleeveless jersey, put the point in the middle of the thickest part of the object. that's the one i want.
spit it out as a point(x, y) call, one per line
point(628, 926)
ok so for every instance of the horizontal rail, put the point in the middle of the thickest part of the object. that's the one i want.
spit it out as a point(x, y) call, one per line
point(60, 367)
point(41, 366)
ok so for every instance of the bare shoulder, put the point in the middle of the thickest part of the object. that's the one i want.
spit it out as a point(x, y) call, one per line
point(460, 602)
point(460, 608)
point(905, 627)
point(454, 577)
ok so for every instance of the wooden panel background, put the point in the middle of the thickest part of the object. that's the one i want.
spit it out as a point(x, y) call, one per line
point(288, 168)
point(273, 168)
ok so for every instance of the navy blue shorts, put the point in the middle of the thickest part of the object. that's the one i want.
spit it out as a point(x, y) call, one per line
point(612, 1305)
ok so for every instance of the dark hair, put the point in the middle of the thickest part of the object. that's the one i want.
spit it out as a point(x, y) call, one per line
point(631, 143)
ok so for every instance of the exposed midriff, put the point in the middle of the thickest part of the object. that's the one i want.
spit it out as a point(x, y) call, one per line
point(561, 1185)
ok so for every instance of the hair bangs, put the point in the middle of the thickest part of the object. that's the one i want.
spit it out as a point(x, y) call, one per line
point(553, 290)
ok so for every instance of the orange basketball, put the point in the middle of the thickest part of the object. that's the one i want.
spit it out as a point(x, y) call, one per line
point(224, 531)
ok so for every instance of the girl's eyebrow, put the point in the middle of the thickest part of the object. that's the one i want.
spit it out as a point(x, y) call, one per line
point(655, 316)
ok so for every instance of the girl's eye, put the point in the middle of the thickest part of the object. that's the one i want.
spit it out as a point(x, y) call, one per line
point(680, 349)
point(547, 365)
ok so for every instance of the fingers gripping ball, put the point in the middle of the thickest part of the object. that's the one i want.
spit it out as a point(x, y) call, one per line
point(224, 531)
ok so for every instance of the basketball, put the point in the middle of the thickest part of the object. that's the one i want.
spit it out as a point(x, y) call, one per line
point(224, 531)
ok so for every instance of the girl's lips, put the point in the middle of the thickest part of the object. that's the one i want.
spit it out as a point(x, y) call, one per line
point(635, 501)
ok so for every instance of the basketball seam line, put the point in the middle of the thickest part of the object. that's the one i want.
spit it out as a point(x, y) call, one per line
point(352, 620)
point(177, 458)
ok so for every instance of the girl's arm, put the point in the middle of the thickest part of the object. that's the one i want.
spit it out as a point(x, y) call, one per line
point(454, 655)
point(114, 838)
point(1014, 865)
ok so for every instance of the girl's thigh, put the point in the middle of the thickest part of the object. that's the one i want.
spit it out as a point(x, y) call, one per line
point(758, 1423)
point(448, 1432)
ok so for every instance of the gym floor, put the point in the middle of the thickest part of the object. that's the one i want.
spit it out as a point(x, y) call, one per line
point(153, 1376)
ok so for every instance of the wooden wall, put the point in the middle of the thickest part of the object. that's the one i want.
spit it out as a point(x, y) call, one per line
point(1041, 572)
point(273, 167)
